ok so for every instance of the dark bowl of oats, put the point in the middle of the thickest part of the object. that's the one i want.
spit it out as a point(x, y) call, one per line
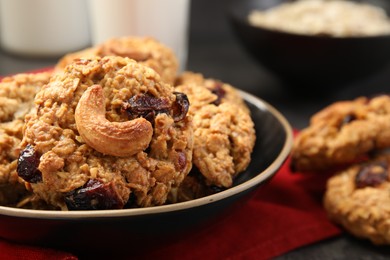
point(313, 43)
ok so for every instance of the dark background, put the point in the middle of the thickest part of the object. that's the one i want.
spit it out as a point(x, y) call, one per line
point(215, 51)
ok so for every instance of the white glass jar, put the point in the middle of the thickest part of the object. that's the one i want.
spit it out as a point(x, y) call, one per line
point(165, 20)
point(44, 28)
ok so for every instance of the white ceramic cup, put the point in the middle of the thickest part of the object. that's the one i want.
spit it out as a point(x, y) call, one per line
point(165, 20)
point(44, 28)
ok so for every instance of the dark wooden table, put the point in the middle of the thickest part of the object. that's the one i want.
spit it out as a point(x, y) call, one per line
point(215, 52)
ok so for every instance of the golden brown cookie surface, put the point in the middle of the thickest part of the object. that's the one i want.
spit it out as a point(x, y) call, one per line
point(224, 134)
point(76, 166)
point(146, 51)
point(341, 133)
point(358, 199)
point(16, 100)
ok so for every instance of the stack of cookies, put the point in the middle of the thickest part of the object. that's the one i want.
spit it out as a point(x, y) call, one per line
point(352, 139)
point(115, 126)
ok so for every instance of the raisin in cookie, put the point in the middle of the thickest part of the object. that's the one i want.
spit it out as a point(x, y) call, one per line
point(342, 133)
point(224, 134)
point(147, 51)
point(107, 133)
point(16, 100)
point(358, 199)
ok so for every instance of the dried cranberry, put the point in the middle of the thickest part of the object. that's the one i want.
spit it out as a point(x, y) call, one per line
point(28, 163)
point(144, 105)
point(181, 162)
point(372, 175)
point(219, 91)
point(94, 195)
point(180, 107)
point(150, 116)
point(147, 106)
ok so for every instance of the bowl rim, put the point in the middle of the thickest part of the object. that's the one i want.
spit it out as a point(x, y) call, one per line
point(239, 18)
point(116, 213)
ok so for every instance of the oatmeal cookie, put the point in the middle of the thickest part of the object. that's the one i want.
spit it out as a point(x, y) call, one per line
point(193, 187)
point(342, 133)
point(224, 134)
point(147, 51)
point(107, 133)
point(16, 100)
point(358, 199)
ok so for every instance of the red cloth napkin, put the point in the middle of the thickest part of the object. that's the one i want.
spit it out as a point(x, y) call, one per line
point(11, 251)
point(282, 215)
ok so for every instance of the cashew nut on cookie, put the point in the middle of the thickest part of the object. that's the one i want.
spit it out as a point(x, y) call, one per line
point(112, 138)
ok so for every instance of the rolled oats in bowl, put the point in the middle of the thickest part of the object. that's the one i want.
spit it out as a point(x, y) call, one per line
point(336, 18)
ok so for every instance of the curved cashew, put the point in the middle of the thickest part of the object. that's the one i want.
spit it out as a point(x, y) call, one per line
point(113, 138)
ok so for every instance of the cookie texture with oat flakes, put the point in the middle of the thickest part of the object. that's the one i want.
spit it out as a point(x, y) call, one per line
point(342, 133)
point(357, 198)
point(145, 50)
point(224, 134)
point(85, 115)
point(16, 100)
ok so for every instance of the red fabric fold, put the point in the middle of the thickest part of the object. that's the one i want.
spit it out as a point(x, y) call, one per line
point(12, 251)
point(282, 215)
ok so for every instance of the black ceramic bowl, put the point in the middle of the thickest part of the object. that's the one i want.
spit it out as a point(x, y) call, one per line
point(308, 62)
point(131, 229)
